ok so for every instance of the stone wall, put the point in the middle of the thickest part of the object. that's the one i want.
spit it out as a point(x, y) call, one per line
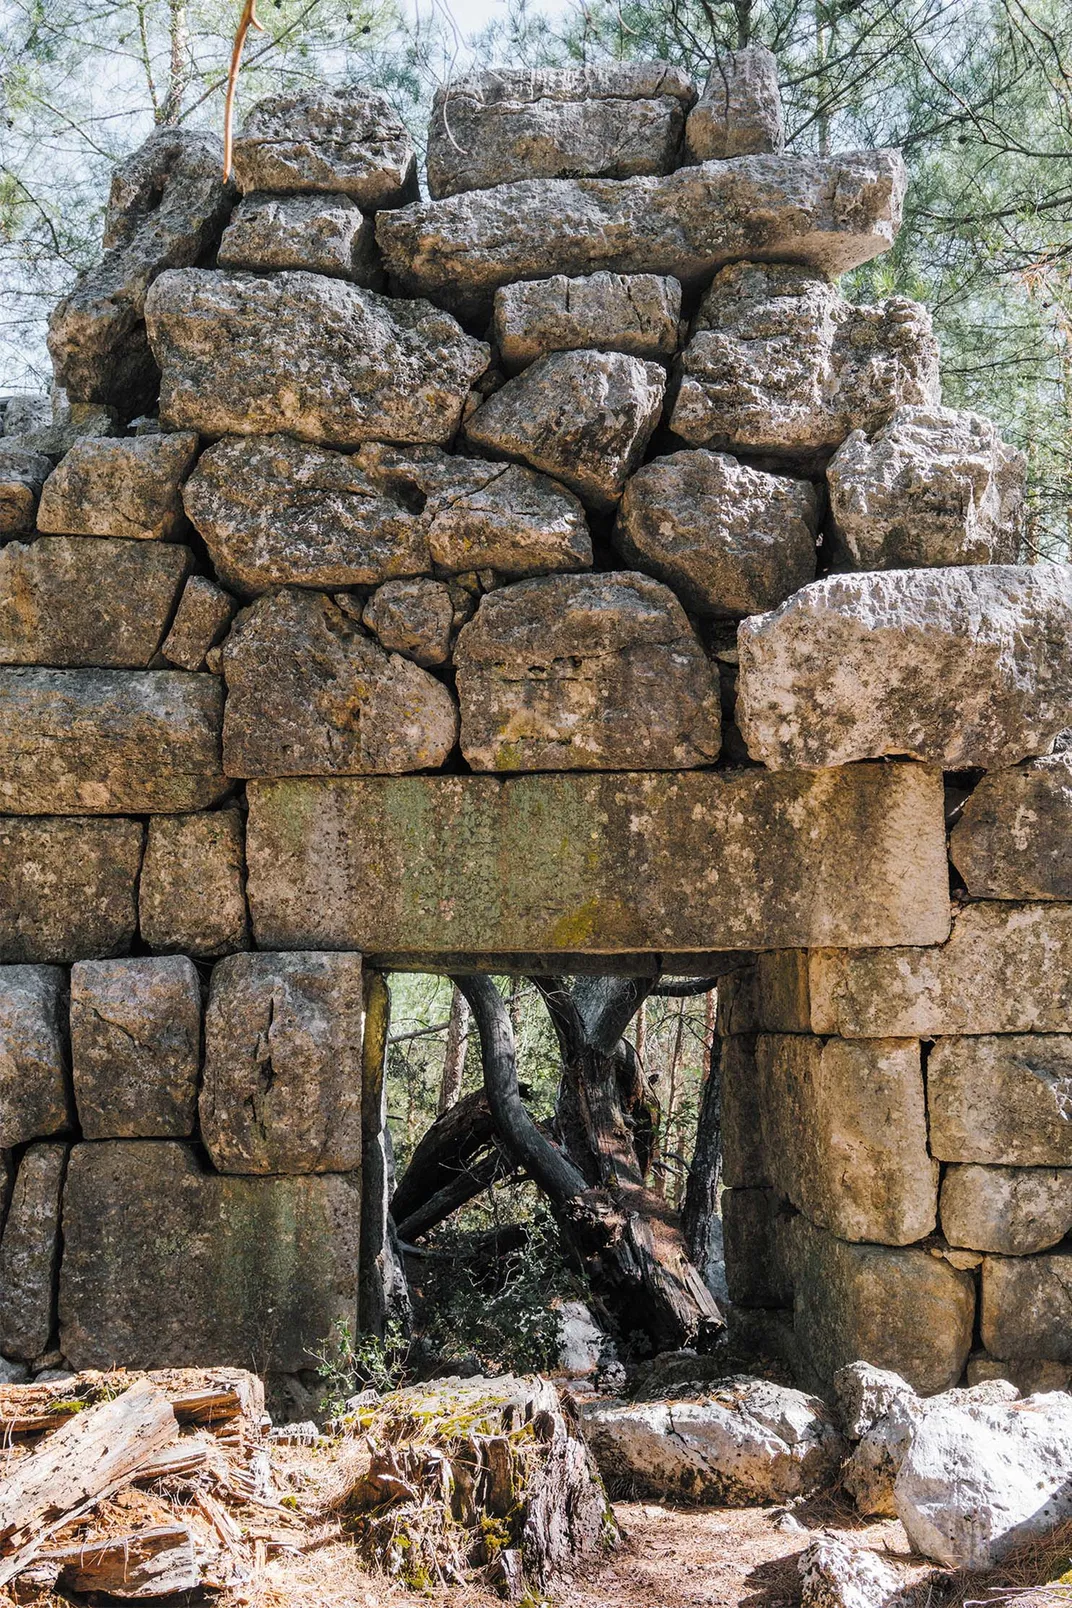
point(556, 570)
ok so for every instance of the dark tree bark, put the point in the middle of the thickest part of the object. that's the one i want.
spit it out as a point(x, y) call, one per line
point(383, 1295)
point(458, 1158)
point(701, 1190)
point(450, 1084)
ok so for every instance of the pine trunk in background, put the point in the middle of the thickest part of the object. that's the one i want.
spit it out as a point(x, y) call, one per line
point(450, 1086)
point(701, 1190)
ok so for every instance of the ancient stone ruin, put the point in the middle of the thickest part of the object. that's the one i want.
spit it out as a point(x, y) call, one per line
point(556, 572)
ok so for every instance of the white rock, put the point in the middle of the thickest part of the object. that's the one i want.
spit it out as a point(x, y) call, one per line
point(836, 1574)
point(864, 1394)
point(580, 1339)
point(13, 1373)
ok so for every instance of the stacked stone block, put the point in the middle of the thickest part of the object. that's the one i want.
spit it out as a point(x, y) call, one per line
point(558, 568)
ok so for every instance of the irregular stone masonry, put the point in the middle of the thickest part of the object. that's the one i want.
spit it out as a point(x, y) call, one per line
point(415, 585)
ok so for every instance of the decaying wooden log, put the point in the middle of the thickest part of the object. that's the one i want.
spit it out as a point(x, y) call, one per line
point(146, 1563)
point(214, 1397)
point(457, 1159)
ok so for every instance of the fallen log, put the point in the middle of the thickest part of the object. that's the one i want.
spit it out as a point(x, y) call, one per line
point(214, 1398)
point(145, 1563)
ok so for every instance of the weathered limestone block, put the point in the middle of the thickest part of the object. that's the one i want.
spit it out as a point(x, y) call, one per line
point(1005, 969)
point(613, 863)
point(832, 213)
point(167, 205)
point(275, 512)
point(752, 1226)
point(500, 124)
point(72, 603)
point(740, 110)
point(635, 313)
point(778, 362)
point(957, 667)
point(23, 472)
point(904, 1310)
point(130, 487)
point(34, 1098)
point(1011, 841)
point(346, 141)
point(22, 411)
point(585, 672)
point(769, 995)
point(309, 694)
point(191, 896)
point(1027, 1306)
point(729, 539)
point(844, 1574)
point(744, 1162)
point(845, 1134)
point(67, 887)
point(282, 1084)
point(1003, 1100)
point(320, 358)
point(105, 742)
point(136, 1046)
point(932, 486)
point(412, 617)
point(583, 417)
point(1013, 1211)
point(327, 234)
point(29, 1253)
point(166, 1264)
point(203, 615)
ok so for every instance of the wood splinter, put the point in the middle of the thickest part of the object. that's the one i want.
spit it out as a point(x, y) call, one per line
point(246, 21)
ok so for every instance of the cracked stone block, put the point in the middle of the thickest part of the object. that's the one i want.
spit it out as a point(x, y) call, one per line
point(67, 887)
point(1003, 1100)
point(29, 1253)
point(344, 141)
point(327, 234)
point(412, 617)
point(34, 1097)
point(129, 488)
point(23, 473)
point(1011, 840)
point(191, 894)
point(740, 110)
point(1013, 1211)
point(201, 620)
point(639, 314)
point(1027, 1306)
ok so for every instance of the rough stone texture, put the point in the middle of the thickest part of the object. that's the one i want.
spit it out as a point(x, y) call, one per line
point(744, 1441)
point(166, 1264)
point(1011, 841)
point(104, 742)
point(1002, 1100)
point(167, 205)
point(740, 110)
point(136, 1046)
point(282, 1084)
point(320, 358)
point(840, 1574)
point(128, 488)
point(752, 1223)
point(72, 603)
point(412, 617)
point(1005, 969)
point(1027, 1306)
point(635, 313)
point(832, 213)
point(585, 672)
point(1028, 1376)
point(583, 417)
point(1013, 1211)
point(869, 1474)
point(932, 486)
point(309, 694)
point(958, 667)
point(501, 124)
point(863, 1395)
point(346, 141)
point(845, 1134)
point(67, 887)
point(729, 539)
point(72, 422)
point(616, 863)
point(202, 617)
point(778, 362)
point(29, 1253)
point(769, 994)
point(34, 1098)
point(275, 512)
point(904, 1310)
point(744, 1162)
point(23, 472)
point(25, 410)
point(325, 234)
point(191, 896)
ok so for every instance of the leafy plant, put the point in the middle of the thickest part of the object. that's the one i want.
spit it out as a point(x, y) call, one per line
point(351, 1363)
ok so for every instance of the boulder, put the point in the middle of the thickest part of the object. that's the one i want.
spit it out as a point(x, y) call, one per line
point(1003, 1101)
point(130, 487)
point(201, 619)
point(105, 742)
point(1029, 1376)
point(309, 694)
point(831, 213)
point(1013, 1211)
point(958, 667)
point(740, 110)
point(29, 1253)
point(320, 358)
point(71, 603)
point(23, 472)
point(191, 895)
point(166, 1263)
point(585, 672)
point(742, 1442)
point(634, 313)
point(729, 539)
point(583, 417)
point(843, 1574)
point(22, 411)
point(136, 1046)
point(67, 887)
point(71, 422)
point(779, 363)
point(282, 1083)
point(611, 120)
point(327, 234)
point(1011, 841)
point(930, 487)
point(34, 1097)
point(871, 1470)
point(581, 1342)
point(167, 205)
point(864, 1395)
point(412, 617)
point(345, 141)
point(1026, 1306)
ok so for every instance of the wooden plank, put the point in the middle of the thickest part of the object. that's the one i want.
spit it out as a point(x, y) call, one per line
point(197, 1395)
point(145, 1563)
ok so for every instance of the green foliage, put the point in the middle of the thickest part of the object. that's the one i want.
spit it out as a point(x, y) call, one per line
point(352, 1363)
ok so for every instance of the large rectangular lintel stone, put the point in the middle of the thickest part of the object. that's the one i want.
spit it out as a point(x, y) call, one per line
point(615, 862)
